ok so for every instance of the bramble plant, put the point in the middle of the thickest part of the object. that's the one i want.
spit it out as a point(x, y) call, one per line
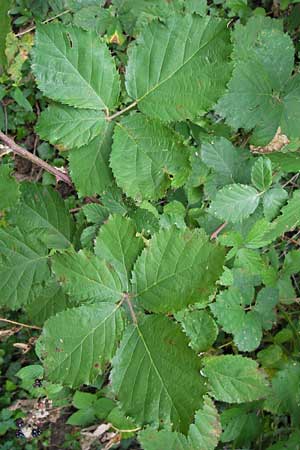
point(166, 277)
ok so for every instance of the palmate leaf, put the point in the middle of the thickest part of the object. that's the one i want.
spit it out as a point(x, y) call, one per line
point(234, 379)
point(235, 202)
point(203, 434)
point(262, 94)
point(74, 67)
point(76, 344)
point(42, 209)
point(68, 127)
point(86, 277)
point(119, 246)
point(178, 268)
point(179, 69)
point(156, 376)
point(23, 264)
point(89, 165)
point(147, 157)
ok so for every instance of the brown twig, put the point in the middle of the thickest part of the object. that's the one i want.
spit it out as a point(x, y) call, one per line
point(45, 21)
point(119, 113)
point(23, 325)
point(60, 176)
point(215, 234)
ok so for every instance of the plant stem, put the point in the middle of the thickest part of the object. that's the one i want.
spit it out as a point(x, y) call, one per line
point(215, 234)
point(34, 327)
point(119, 113)
point(45, 21)
point(132, 313)
point(34, 159)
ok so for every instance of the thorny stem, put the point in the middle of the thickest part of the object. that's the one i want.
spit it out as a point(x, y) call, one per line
point(34, 159)
point(23, 325)
point(119, 113)
point(45, 21)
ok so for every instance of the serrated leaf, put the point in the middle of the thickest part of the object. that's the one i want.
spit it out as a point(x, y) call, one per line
point(77, 343)
point(266, 301)
point(190, 71)
point(234, 379)
point(148, 157)
point(200, 328)
point(273, 200)
point(261, 174)
point(286, 162)
point(9, 188)
point(93, 17)
point(156, 375)
point(95, 213)
point(262, 94)
point(74, 67)
point(47, 301)
point(4, 30)
point(204, 433)
point(89, 165)
point(86, 277)
point(231, 316)
point(23, 263)
point(42, 209)
point(178, 268)
point(119, 246)
point(235, 202)
point(68, 127)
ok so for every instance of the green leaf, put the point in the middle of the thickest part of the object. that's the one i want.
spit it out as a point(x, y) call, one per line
point(285, 392)
point(47, 301)
point(235, 202)
point(231, 316)
point(9, 188)
point(204, 433)
point(190, 71)
point(4, 30)
point(23, 263)
point(89, 165)
point(286, 162)
point(119, 246)
point(42, 209)
point(68, 127)
point(199, 327)
point(261, 174)
point(82, 418)
point(93, 18)
point(266, 301)
point(76, 344)
point(234, 379)
point(86, 277)
point(273, 200)
point(178, 268)
point(74, 67)
point(156, 375)
point(148, 157)
point(83, 400)
point(262, 94)
point(227, 160)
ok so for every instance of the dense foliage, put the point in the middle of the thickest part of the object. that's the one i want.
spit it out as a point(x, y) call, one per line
point(164, 275)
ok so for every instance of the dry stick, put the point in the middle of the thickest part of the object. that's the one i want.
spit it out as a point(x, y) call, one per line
point(215, 234)
point(119, 113)
point(34, 159)
point(45, 21)
point(34, 327)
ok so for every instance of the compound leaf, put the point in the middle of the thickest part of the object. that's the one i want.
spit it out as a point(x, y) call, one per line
point(179, 267)
point(179, 69)
point(74, 67)
point(76, 344)
point(156, 375)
